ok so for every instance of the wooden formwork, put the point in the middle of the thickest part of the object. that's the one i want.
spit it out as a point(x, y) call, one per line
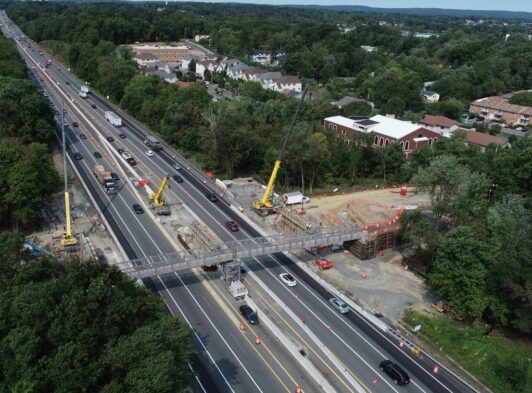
point(370, 245)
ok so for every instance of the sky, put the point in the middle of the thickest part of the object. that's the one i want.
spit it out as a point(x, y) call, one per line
point(507, 5)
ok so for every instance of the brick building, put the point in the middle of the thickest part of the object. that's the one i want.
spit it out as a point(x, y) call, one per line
point(497, 108)
point(384, 131)
point(164, 53)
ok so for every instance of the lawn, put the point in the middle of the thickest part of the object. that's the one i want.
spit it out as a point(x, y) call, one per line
point(502, 364)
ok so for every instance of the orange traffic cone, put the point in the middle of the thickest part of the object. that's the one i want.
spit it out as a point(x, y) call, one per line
point(242, 326)
point(298, 389)
point(257, 340)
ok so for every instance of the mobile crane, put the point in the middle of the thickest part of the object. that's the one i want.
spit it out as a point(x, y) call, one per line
point(68, 238)
point(265, 205)
point(158, 202)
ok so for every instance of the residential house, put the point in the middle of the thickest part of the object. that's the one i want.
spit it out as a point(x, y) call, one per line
point(266, 79)
point(439, 124)
point(168, 77)
point(252, 73)
point(384, 131)
point(261, 57)
point(204, 65)
point(289, 82)
point(226, 64)
point(429, 97)
point(496, 108)
point(482, 140)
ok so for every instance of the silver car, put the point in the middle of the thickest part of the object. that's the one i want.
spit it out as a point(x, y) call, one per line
point(340, 305)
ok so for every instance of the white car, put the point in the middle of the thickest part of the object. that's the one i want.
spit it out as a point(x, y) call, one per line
point(340, 305)
point(288, 279)
point(150, 153)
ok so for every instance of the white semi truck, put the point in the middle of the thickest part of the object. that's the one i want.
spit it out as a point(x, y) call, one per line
point(113, 118)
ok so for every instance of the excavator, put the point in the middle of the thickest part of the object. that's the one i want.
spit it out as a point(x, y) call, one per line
point(266, 206)
point(157, 200)
point(68, 238)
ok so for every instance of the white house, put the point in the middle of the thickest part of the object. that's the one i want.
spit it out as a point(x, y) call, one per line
point(429, 97)
point(267, 79)
point(261, 57)
point(202, 66)
point(251, 73)
point(368, 48)
point(287, 83)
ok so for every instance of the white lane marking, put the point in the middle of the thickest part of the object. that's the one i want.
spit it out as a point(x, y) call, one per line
point(197, 378)
point(217, 331)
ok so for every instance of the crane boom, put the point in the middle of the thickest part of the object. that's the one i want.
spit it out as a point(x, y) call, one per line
point(266, 202)
point(68, 238)
point(157, 197)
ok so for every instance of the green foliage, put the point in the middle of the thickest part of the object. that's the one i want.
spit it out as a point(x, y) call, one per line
point(501, 363)
point(523, 98)
point(84, 326)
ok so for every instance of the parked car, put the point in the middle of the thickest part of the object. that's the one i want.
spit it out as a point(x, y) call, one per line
point(110, 139)
point(93, 106)
point(177, 167)
point(211, 197)
point(97, 154)
point(399, 376)
point(67, 82)
point(232, 226)
point(123, 136)
point(340, 305)
point(137, 208)
point(149, 153)
point(78, 156)
point(115, 176)
point(250, 315)
point(75, 124)
point(120, 150)
point(177, 178)
point(323, 263)
point(288, 279)
point(82, 136)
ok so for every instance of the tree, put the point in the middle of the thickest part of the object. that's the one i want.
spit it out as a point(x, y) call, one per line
point(460, 270)
point(80, 326)
point(522, 98)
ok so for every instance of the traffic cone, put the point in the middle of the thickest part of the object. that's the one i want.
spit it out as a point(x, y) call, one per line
point(363, 274)
point(298, 389)
point(242, 326)
point(436, 369)
point(257, 340)
point(402, 343)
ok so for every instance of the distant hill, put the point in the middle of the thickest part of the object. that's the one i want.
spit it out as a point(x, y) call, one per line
point(421, 11)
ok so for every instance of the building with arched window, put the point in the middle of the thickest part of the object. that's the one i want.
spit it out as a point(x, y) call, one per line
point(385, 130)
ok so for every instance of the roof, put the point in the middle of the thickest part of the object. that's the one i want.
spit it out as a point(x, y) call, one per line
point(428, 93)
point(502, 105)
point(253, 71)
point(183, 85)
point(366, 122)
point(288, 79)
point(270, 76)
point(440, 121)
point(481, 139)
point(392, 127)
point(341, 121)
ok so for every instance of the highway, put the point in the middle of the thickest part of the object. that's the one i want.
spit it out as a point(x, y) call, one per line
point(355, 343)
point(229, 361)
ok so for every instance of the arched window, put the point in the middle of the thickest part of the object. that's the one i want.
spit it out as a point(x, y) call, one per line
point(387, 142)
point(407, 145)
point(376, 140)
point(381, 142)
point(402, 145)
point(430, 141)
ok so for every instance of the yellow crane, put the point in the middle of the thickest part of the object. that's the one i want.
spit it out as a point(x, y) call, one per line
point(68, 238)
point(265, 205)
point(156, 198)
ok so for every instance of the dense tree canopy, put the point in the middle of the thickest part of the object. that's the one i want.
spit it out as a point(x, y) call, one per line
point(83, 326)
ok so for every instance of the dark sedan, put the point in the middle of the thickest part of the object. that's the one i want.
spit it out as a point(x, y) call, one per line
point(137, 208)
point(177, 178)
point(250, 315)
point(211, 197)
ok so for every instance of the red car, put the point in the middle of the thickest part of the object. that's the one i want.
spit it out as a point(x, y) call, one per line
point(323, 263)
point(233, 226)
